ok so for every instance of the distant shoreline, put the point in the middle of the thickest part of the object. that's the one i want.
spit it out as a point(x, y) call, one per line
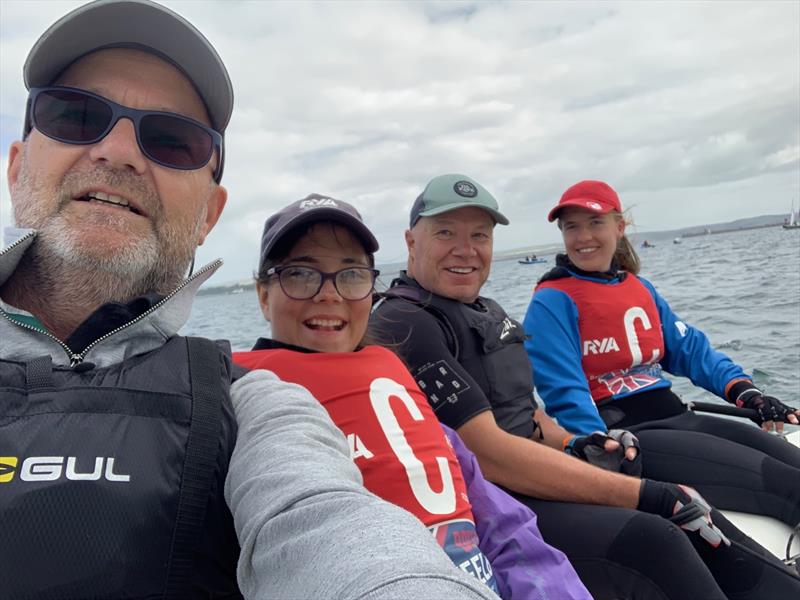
point(547, 250)
point(637, 237)
point(748, 228)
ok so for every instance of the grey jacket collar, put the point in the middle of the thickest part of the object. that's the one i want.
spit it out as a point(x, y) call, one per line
point(145, 333)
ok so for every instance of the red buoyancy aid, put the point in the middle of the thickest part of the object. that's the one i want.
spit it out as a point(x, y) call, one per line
point(620, 334)
point(394, 437)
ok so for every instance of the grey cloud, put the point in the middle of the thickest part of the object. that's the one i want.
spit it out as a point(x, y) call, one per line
point(689, 105)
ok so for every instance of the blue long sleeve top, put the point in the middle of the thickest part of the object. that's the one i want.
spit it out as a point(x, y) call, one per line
point(554, 348)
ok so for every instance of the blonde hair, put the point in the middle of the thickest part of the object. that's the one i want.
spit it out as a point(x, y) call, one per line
point(625, 256)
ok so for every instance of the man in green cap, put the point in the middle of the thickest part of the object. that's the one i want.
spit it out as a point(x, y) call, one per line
point(467, 355)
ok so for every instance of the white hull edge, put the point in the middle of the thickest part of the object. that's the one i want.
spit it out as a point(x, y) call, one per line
point(769, 532)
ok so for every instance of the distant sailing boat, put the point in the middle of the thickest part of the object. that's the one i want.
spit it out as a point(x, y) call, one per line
point(793, 221)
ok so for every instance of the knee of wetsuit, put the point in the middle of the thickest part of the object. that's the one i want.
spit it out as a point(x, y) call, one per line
point(647, 536)
point(783, 482)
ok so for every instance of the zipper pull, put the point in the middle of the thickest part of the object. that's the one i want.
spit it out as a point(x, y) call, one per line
point(75, 360)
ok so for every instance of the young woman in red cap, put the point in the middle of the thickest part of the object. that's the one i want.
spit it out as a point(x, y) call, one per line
point(600, 339)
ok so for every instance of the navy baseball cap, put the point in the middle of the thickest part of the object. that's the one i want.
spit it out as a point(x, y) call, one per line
point(449, 192)
point(311, 209)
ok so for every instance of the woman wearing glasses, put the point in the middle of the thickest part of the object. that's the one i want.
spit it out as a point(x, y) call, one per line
point(315, 283)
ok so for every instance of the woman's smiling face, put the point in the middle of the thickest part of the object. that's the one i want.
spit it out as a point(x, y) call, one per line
point(327, 322)
point(590, 238)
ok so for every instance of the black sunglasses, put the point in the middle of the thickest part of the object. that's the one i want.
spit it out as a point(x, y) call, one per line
point(76, 116)
point(303, 283)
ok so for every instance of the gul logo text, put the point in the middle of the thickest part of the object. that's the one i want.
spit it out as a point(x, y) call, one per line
point(7, 466)
point(52, 468)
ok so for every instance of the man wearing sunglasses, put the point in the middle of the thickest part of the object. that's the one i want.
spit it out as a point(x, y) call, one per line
point(117, 435)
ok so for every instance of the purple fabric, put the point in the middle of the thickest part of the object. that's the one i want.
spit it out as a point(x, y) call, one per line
point(525, 566)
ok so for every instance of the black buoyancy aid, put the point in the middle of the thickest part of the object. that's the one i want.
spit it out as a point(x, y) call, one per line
point(112, 479)
point(489, 346)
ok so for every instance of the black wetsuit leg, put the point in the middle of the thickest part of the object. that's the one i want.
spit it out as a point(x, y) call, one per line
point(741, 432)
point(746, 570)
point(625, 554)
point(734, 465)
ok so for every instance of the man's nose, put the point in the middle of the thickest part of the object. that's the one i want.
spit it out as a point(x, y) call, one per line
point(119, 148)
point(464, 247)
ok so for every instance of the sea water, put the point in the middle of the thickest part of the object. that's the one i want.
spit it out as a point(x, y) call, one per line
point(741, 288)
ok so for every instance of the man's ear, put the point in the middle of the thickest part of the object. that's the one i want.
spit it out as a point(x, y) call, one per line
point(263, 299)
point(214, 205)
point(409, 235)
point(15, 158)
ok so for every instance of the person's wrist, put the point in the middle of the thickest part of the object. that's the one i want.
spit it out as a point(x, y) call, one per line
point(568, 444)
point(631, 491)
point(651, 496)
point(644, 492)
point(739, 390)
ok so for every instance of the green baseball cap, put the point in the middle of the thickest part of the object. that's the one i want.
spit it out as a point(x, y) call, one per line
point(449, 192)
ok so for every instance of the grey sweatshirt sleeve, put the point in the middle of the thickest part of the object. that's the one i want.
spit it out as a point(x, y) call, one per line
point(307, 526)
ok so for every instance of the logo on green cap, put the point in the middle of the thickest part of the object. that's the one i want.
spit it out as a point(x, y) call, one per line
point(465, 189)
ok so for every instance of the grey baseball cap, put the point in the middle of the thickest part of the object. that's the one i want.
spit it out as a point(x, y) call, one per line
point(311, 209)
point(449, 192)
point(138, 24)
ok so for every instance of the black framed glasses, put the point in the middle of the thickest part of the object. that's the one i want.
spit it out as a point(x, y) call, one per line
point(74, 116)
point(303, 283)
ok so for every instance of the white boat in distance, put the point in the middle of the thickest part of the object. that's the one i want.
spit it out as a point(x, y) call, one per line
point(793, 220)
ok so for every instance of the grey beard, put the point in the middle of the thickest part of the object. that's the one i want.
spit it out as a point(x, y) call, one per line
point(139, 269)
point(84, 281)
point(57, 261)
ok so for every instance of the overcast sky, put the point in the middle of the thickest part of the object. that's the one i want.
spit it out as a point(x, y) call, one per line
point(691, 110)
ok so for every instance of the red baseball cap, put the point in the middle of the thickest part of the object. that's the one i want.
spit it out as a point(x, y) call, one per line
point(596, 196)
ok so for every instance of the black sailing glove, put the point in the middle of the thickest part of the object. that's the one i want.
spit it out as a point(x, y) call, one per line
point(591, 448)
point(745, 395)
point(682, 505)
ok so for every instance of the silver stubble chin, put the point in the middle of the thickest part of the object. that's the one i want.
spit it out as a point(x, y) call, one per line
point(154, 262)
